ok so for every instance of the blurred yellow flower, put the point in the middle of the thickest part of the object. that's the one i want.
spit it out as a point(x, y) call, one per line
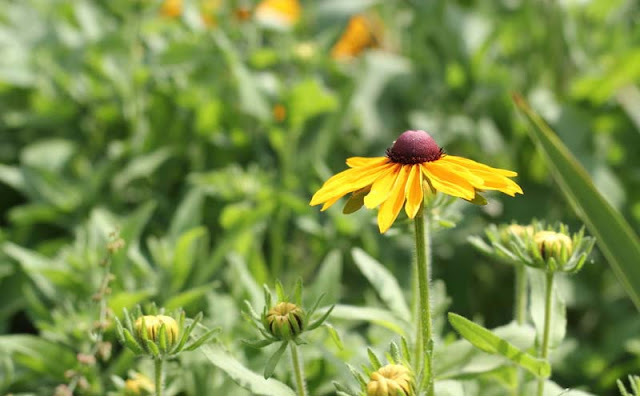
point(171, 8)
point(208, 10)
point(138, 385)
point(413, 159)
point(361, 33)
point(279, 112)
point(278, 13)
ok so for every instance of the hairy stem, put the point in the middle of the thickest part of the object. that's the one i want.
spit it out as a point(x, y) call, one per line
point(544, 349)
point(159, 365)
point(423, 263)
point(520, 310)
point(298, 371)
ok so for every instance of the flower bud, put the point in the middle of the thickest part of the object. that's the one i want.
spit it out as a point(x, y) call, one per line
point(553, 244)
point(152, 326)
point(391, 380)
point(138, 385)
point(517, 230)
point(285, 320)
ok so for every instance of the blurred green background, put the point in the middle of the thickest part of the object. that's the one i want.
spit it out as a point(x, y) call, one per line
point(202, 135)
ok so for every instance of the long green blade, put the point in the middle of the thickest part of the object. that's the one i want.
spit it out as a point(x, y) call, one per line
point(615, 238)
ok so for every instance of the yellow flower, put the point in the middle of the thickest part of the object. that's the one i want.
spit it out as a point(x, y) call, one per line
point(361, 33)
point(278, 13)
point(138, 385)
point(171, 8)
point(414, 159)
point(208, 10)
point(391, 380)
point(279, 112)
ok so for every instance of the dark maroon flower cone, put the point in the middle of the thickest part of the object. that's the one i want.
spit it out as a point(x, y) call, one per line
point(414, 147)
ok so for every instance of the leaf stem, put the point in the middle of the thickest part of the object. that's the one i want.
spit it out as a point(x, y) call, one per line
point(423, 263)
point(544, 349)
point(159, 366)
point(298, 370)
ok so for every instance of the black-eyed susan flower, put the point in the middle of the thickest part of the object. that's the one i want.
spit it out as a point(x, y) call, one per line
point(361, 33)
point(413, 163)
point(278, 13)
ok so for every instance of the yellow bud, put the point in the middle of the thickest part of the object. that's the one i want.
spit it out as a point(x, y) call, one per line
point(153, 324)
point(391, 379)
point(551, 243)
point(285, 320)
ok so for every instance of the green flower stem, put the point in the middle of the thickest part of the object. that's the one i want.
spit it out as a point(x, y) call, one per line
point(298, 371)
point(423, 263)
point(159, 365)
point(544, 349)
point(521, 294)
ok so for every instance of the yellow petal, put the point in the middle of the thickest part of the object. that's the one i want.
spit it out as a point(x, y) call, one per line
point(355, 162)
point(347, 181)
point(414, 191)
point(492, 181)
point(381, 188)
point(471, 164)
point(390, 208)
point(330, 202)
point(446, 181)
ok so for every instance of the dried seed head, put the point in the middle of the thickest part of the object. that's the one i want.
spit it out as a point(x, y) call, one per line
point(414, 147)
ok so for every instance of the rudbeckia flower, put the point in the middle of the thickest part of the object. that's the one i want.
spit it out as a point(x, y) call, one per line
point(361, 33)
point(413, 161)
point(278, 13)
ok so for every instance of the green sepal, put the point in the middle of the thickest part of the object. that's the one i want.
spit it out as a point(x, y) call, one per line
point(258, 343)
point(206, 337)
point(153, 348)
point(270, 366)
point(162, 339)
point(358, 376)
point(296, 329)
point(280, 291)
point(321, 320)
point(355, 201)
point(343, 390)
point(119, 331)
point(478, 200)
point(375, 362)
point(131, 343)
point(297, 292)
point(128, 323)
point(315, 305)
point(333, 333)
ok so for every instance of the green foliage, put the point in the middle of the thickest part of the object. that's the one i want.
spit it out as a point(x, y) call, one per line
point(117, 118)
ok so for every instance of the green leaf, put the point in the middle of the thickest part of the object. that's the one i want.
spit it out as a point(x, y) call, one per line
point(308, 99)
point(381, 317)
point(188, 297)
point(185, 256)
point(383, 281)
point(271, 364)
point(188, 214)
point(614, 236)
point(242, 376)
point(36, 354)
point(487, 341)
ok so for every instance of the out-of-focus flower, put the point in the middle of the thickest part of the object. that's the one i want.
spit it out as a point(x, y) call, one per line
point(281, 14)
point(279, 112)
point(553, 244)
point(361, 33)
point(138, 385)
point(242, 13)
point(208, 10)
point(171, 8)
point(413, 159)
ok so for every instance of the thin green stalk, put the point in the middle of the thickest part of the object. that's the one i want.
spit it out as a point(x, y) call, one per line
point(423, 263)
point(544, 349)
point(159, 365)
point(298, 371)
point(521, 294)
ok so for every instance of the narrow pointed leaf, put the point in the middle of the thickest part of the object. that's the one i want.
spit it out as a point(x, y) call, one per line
point(270, 367)
point(615, 238)
point(487, 341)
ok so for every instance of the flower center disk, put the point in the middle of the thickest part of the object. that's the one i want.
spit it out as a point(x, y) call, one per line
point(414, 147)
